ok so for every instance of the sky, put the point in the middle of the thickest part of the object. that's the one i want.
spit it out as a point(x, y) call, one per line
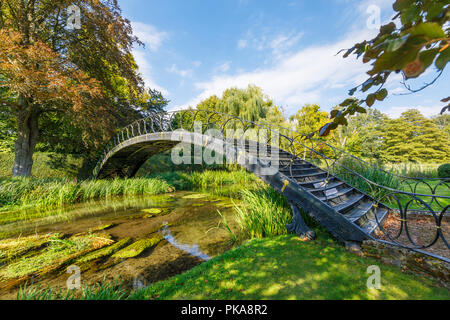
point(197, 48)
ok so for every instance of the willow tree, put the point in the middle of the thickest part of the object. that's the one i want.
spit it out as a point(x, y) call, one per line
point(75, 71)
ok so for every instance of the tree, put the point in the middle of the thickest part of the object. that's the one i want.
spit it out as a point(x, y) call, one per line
point(414, 138)
point(309, 119)
point(249, 104)
point(443, 122)
point(421, 40)
point(361, 137)
point(51, 74)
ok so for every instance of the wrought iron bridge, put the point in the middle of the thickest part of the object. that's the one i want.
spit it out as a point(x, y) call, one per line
point(329, 184)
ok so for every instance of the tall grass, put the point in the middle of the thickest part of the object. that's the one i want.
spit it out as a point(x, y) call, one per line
point(105, 290)
point(385, 178)
point(58, 192)
point(216, 182)
point(263, 213)
point(417, 170)
point(51, 192)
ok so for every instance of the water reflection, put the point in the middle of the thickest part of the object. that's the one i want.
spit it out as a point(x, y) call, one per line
point(182, 218)
point(191, 249)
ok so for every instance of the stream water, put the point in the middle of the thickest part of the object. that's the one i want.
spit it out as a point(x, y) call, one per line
point(188, 222)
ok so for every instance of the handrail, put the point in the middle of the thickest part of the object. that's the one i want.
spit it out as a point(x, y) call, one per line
point(400, 202)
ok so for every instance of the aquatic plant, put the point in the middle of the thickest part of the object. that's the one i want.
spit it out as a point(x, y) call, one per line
point(263, 213)
point(137, 247)
point(57, 253)
point(104, 252)
point(104, 290)
point(27, 192)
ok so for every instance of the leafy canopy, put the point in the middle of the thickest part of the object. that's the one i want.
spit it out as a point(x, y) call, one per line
point(421, 41)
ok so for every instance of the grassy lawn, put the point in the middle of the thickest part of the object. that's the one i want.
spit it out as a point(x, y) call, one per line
point(286, 268)
point(424, 188)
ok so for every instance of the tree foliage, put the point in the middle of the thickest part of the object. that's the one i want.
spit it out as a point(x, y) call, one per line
point(419, 40)
point(75, 85)
point(375, 137)
point(249, 104)
point(413, 138)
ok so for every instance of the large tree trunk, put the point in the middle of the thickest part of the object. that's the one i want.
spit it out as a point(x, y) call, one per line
point(28, 132)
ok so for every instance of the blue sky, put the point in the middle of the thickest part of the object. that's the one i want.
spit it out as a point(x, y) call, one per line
point(197, 48)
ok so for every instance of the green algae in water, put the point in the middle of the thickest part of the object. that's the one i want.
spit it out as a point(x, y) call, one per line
point(152, 210)
point(198, 204)
point(195, 196)
point(57, 253)
point(137, 248)
point(104, 252)
point(104, 227)
point(224, 205)
point(11, 249)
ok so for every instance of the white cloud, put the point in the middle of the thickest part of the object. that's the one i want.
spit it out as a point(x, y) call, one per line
point(146, 71)
point(242, 43)
point(149, 35)
point(224, 67)
point(264, 40)
point(427, 111)
point(182, 73)
point(298, 78)
point(398, 90)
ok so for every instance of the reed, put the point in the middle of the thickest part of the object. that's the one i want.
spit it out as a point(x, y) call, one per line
point(25, 192)
point(263, 213)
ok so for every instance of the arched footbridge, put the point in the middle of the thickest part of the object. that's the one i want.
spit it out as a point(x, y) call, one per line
point(335, 188)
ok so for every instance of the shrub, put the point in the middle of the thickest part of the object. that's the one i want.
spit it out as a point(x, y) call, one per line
point(444, 171)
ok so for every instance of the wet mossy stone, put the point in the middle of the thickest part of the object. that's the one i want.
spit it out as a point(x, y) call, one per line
point(104, 227)
point(11, 249)
point(198, 204)
point(195, 196)
point(154, 212)
point(137, 248)
point(224, 205)
point(105, 252)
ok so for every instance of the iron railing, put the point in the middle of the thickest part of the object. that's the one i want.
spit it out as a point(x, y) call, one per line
point(418, 207)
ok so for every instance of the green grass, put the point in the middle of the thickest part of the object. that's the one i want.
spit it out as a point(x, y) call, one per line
point(286, 268)
point(105, 290)
point(417, 170)
point(23, 193)
point(271, 268)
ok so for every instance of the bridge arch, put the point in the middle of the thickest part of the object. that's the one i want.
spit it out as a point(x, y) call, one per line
point(319, 186)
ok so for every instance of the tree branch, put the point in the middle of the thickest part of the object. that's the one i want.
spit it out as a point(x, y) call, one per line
point(411, 91)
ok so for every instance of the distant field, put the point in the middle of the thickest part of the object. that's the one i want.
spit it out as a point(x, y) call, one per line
point(419, 170)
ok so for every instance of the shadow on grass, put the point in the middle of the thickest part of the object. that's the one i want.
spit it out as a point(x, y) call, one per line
point(286, 268)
